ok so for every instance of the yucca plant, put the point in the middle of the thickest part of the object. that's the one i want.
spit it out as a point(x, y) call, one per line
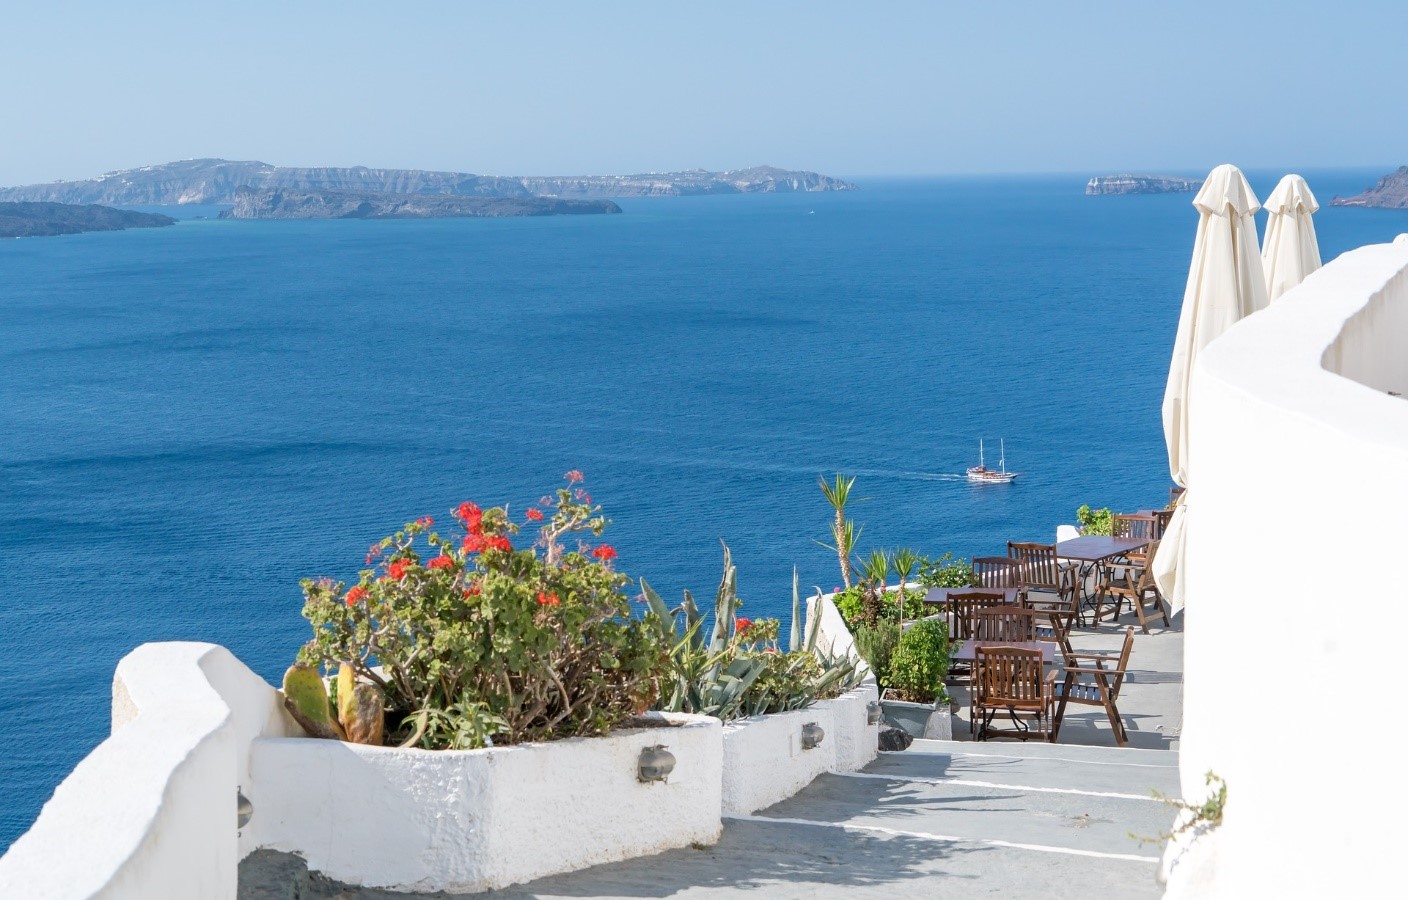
point(844, 532)
point(904, 562)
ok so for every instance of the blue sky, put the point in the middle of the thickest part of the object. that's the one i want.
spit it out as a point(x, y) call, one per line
point(857, 89)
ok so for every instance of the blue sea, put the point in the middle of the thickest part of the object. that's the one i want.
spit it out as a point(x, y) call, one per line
point(197, 417)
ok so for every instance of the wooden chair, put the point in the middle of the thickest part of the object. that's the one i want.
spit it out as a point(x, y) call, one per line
point(958, 610)
point(1010, 679)
point(1005, 623)
point(1060, 617)
point(1133, 526)
point(1173, 494)
point(996, 572)
point(1162, 517)
point(1039, 570)
point(1095, 680)
point(1136, 586)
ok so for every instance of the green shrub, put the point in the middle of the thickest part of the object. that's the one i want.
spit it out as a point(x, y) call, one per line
point(861, 605)
point(946, 572)
point(481, 642)
point(876, 643)
point(920, 663)
point(1094, 521)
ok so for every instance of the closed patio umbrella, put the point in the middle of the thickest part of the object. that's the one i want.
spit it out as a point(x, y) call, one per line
point(1225, 283)
point(1289, 251)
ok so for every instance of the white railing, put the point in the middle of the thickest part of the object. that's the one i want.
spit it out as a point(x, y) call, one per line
point(1299, 455)
point(151, 812)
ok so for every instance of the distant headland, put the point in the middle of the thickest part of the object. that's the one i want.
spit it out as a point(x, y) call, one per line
point(49, 219)
point(1391, 192)
point(1141, 184)
point(320, 204)
point(219, 181)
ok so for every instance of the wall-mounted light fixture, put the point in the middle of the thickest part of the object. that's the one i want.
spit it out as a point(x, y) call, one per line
point(656, 764)
point(244, 810)
point(812, 734)
point(872, 712)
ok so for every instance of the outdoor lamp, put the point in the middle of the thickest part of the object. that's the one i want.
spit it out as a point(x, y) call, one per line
point(656, 764)
point(872, 712)
point(811, 735)
point(244, 810)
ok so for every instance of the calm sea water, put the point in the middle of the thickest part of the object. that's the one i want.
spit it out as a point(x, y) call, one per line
point(197, 417)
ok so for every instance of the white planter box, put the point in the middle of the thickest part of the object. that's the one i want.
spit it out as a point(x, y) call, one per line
point(469, 820)
point(932, 721)
point(764, 762)
point(857, 741)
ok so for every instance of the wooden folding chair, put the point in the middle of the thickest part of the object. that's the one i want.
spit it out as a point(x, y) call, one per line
point(1091, 683)
point(1136, 586)
point(996, 572)
point(1010, 680)
point(1039, 570)
point(1005, 623)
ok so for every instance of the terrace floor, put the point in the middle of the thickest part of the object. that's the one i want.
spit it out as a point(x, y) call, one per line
point(941, 819)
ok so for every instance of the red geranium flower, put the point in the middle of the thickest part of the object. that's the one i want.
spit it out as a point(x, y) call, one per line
point(741, 626)
point(355, 595)
point(397, 570)
point(498, 542)
point(533, 515)
point(440, 562)
point(425, 521)
point(604, 552)
point(574, 476)
point(472, 517)
point(546, 599)
point(474, 543)
point(471, 591)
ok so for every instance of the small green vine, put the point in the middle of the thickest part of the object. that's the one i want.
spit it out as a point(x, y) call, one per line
point(1208, 813)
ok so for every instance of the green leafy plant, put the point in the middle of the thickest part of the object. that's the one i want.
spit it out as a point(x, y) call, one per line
point(876, 644)
point(920, 662)
point(945, 572)
point(1094, 521)
point(480, 642)
point(859, 606)
point(1205, 815)
point(742, 671)
point(844, 533)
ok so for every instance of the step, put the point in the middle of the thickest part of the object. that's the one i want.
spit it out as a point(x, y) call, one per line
point(1069, 822)
point(1134, 773)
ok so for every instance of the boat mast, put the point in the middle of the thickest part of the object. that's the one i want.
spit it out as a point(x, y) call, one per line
point(980, 454)
point(1002, 454)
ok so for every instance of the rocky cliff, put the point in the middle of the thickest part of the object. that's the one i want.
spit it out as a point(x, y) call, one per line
point(1391, 192)
point(46, 219)
point(1140, 184)
point(323, 204)
point(217, 180)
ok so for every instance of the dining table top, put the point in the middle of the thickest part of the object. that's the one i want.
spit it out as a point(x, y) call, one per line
point(967, 650)
point(1095, 547)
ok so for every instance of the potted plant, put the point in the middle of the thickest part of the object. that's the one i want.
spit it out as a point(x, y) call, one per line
point(914, 698)
point(476, 684)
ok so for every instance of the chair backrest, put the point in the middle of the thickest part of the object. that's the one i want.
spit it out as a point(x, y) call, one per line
point(1004, 623)
point(1037, 565)
point(1161, 520)
point(1145, 582)
point(996, 572)
point(1173, 494)
point(1007, 676)
point(959, 609)
point(1133, 526)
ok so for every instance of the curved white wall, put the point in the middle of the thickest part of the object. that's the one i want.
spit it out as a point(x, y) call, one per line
point(151, 811)
point(1298, 521)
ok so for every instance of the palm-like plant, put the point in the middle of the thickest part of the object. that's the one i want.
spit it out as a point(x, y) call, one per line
point(844, 533)
point(905, 562)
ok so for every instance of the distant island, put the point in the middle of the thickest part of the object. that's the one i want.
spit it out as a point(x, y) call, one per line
point(218, 181)
point(48, 219)
point(320, 204)
point(1391, 192)
point(1141, 184)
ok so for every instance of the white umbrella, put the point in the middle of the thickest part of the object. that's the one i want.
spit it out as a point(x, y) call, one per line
point(1225, 283)
point(1289, 251)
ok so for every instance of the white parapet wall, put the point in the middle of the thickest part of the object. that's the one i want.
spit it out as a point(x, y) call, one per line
point(151, 812)
point(765, 762)
point(1298, 492)
point(470, 820)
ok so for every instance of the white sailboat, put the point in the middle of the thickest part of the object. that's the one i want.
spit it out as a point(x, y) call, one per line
point(983, 475)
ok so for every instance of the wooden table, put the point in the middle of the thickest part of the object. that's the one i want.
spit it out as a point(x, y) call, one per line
point(941, 595)
point(1090, 550)
point(965, 653)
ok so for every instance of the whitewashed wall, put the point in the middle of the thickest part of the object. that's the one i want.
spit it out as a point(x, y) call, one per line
point(1293, 644)
point(151, 811)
